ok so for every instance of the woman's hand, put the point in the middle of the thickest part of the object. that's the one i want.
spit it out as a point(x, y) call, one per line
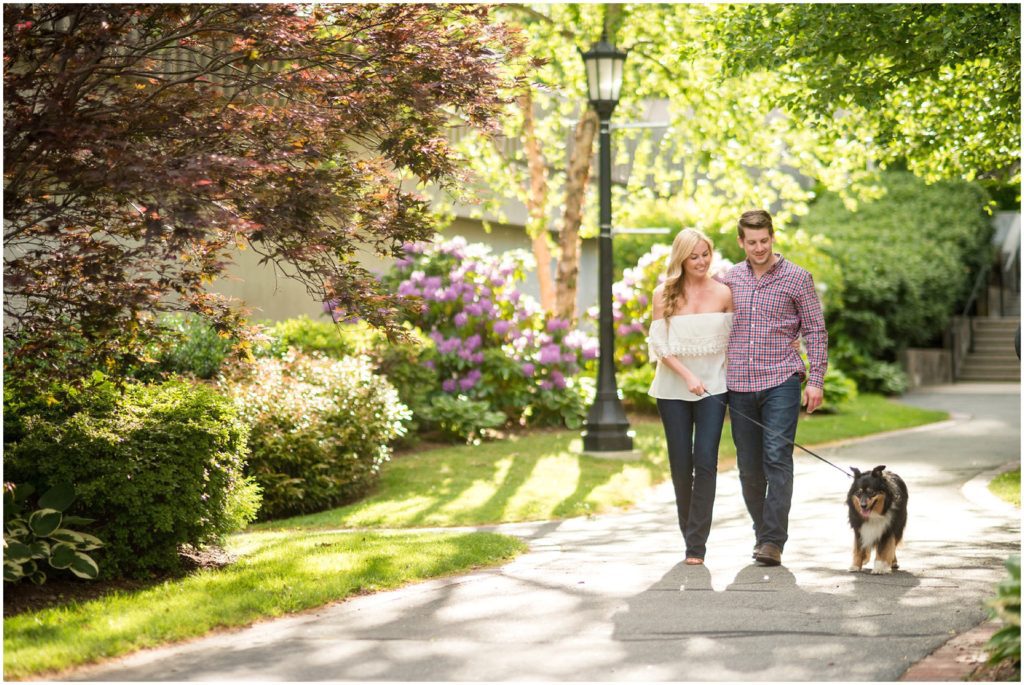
point(695, 386)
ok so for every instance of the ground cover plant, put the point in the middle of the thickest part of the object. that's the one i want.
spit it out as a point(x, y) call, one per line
point(276, 573)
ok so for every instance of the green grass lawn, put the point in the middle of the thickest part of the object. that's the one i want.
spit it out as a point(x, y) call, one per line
point(543, 476)
point(296, 564)
point(1006, 486)
point(277, 573)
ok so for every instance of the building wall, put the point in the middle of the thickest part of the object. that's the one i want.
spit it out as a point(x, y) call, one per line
point(273, 296)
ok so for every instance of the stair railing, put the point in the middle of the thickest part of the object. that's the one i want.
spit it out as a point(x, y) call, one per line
point(959, 335)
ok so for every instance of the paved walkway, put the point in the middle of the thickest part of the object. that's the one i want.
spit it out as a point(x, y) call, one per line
point(608, 599)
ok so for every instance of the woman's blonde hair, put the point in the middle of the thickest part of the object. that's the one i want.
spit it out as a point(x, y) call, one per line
point(683, 246)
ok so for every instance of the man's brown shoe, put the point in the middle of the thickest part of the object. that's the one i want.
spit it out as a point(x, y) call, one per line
point(757, 548)
point(769, 554)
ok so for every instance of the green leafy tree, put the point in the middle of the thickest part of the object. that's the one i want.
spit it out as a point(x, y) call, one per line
point(937, 84)
point(907, 260)
point(145, 143)
point(722, 145)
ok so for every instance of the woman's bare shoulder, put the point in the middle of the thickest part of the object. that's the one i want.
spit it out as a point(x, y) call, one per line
point(720, 288)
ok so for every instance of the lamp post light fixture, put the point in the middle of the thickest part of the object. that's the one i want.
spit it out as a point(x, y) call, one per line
point(606, 428)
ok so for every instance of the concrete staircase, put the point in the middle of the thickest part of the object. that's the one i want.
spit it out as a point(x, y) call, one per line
point(993, 357)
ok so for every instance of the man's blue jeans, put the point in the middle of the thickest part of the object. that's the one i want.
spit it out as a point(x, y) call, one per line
point(693, 430)
point(765, 459)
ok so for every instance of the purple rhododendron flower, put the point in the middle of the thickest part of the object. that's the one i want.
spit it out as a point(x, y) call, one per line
point(558, 379)
point(549, 354)
point(449, 385)
point(460, 319)
point(546, 384)
point(624, 329)
point(590, 352)
point(501, 327)
point(473, 341)
point(627, 359)
point(407, 288)
point(467, 383)
point(430, 364)
point(528, 369)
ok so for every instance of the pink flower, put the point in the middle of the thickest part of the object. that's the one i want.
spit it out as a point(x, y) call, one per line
point(550, 354)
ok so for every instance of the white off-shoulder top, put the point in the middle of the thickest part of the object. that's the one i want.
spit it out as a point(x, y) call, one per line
point(700, 342)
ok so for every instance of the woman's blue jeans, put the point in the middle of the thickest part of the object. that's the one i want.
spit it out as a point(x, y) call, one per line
point(765, 459)
point(693, 430)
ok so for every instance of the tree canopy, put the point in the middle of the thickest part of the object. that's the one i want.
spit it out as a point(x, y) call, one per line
point(717, 140)
point(939, 84)
point(143, 144)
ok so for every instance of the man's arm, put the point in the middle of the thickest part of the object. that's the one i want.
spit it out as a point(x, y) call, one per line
point(812, 328)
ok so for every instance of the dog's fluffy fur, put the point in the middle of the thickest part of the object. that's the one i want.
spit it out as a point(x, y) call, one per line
point(878, 514)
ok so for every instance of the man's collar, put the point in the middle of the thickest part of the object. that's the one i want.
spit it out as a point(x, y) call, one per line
point(778, 261)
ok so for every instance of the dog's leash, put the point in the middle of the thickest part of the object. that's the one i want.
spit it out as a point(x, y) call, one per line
point(777, 434)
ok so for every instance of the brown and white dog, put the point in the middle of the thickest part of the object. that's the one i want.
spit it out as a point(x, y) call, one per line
point(878, 514)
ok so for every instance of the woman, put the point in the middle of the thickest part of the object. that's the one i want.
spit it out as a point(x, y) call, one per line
point(688, 338)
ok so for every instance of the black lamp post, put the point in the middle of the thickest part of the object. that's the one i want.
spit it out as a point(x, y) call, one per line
point(607, 429)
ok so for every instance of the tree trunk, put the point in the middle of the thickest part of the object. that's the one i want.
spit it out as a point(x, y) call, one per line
point(569, 239)
point(536, 202)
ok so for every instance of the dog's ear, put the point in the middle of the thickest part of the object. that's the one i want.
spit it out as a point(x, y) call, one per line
point(856, 472)
point(878, 470)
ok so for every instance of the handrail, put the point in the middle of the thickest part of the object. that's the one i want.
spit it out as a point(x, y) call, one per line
point(981, 280)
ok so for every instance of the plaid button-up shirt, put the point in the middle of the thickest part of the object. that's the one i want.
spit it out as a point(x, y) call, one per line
point(771, 312)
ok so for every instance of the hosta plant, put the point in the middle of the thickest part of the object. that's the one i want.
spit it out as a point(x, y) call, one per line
point(1004, 645)
point(36, 537)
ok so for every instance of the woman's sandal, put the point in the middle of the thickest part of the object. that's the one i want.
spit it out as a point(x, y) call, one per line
point(694, 561)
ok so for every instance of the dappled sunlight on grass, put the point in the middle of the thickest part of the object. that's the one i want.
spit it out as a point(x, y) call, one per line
point(543, 476)
point(297, 563)
point(279, 573)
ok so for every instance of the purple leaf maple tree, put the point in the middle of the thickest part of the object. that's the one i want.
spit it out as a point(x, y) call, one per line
point(145, 143)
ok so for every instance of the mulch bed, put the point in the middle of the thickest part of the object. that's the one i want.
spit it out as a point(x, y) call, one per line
point(25, 597)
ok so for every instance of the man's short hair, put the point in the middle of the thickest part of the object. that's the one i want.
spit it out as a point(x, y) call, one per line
point(756, 218)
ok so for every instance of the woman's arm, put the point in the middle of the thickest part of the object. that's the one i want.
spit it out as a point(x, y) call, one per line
point(692, 382)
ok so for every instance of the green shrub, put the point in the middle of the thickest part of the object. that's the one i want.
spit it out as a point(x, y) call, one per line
point(411, 367)
point(566, 406)
point(635, 384)
point(191, 348)
point(908, 261)
point(1004, 645)
point(308, 335)
point(157, 465)
point(839, 389)
point(459, 418)
point(32, 537)
point(319, 429)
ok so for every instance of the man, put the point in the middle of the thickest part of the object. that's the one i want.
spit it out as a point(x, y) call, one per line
point(775, 303)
